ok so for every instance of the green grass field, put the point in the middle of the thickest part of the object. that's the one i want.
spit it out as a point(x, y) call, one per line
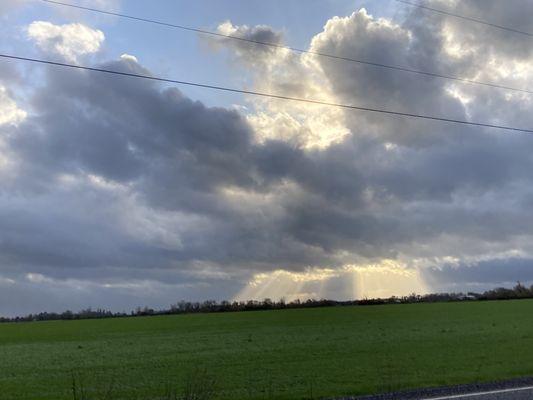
point(289, 354)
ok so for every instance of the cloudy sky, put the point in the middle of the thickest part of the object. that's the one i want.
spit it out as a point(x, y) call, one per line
point(118, 192)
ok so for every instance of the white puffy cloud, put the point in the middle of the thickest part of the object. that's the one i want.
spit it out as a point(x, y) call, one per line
point(69, 41)
point(278, 70)
point(10, 113)
point(128, 57)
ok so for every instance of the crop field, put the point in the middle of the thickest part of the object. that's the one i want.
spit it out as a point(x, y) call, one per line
point(288, 354)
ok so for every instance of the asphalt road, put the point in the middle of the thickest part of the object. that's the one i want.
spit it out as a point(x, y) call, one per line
point(514, 389)
point(505, 394)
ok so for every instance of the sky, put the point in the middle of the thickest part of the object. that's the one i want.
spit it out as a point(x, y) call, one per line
point(118, 192)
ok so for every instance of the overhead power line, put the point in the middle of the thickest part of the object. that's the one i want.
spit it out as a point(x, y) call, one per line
point(471, 19)
point(294, 49)
point(268, 95)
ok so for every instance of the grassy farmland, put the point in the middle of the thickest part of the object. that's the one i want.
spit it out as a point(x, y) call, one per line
point(288, 354)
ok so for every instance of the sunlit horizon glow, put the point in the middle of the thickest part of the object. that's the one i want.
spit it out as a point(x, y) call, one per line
point(350, 282)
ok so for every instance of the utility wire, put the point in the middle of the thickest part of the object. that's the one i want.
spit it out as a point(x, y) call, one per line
point(479, 21)
point(269, 95)
point(294, 49)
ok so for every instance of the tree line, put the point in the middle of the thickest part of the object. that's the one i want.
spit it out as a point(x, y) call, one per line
point(519, 291)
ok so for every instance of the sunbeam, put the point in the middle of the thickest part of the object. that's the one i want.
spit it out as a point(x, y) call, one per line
point(349, 282)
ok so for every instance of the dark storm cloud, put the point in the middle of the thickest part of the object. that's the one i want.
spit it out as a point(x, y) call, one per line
point(481, 276)
point(172, 154)
point(163, 147)
point(124, 130)
point(514, 14)
point(9, 75)
point(252, 53)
